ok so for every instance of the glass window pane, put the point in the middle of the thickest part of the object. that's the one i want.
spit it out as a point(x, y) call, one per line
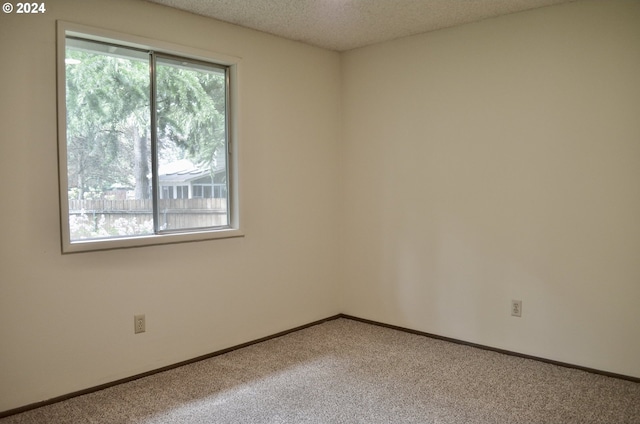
point(191, 99)
point(108, 141)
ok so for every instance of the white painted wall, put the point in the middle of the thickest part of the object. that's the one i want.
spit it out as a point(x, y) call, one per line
point(496, 161)
point(66, 322)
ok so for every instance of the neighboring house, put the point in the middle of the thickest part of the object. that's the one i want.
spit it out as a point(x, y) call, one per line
point(183, 179)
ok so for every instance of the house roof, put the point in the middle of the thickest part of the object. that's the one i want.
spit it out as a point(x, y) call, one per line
point(184, 170)
point(180, 171)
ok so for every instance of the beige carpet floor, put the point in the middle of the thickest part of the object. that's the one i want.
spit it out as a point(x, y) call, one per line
point(345, 371)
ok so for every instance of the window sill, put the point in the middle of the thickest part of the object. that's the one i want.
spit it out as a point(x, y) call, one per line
point(150, 240)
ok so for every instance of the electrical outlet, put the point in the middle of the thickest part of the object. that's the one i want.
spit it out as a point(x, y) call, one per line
point(516, 308)
point(139, 324)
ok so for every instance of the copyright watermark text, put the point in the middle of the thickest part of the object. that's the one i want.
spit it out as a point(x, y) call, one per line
point(24, 8)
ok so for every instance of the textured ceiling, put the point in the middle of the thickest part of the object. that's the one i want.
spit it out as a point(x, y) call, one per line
point(346, 24)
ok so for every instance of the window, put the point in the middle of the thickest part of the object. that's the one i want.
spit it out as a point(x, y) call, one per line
point(141, 128)
point(182, 192)
point(167, 193)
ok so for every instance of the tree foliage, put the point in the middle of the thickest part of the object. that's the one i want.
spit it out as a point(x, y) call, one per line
point(109, 120)
point(191, 111)
point(104, 95)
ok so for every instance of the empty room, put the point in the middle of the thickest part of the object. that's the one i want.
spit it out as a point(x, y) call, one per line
point(320, 211)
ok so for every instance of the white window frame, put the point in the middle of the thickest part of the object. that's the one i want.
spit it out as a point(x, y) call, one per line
point(65, 29)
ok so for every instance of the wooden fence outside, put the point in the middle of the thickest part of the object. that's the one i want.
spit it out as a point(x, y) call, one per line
point(173, 213)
